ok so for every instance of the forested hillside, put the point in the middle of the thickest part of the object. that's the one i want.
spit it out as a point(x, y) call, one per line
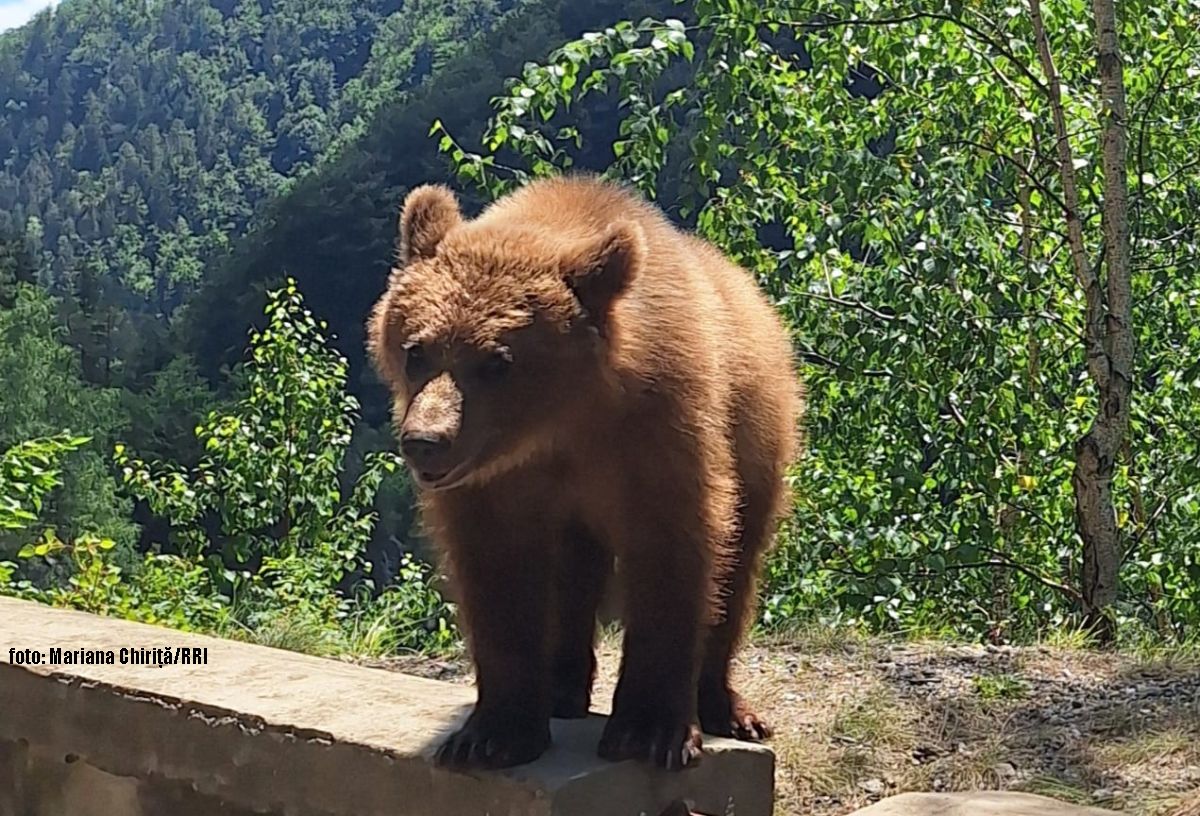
point(138, 140)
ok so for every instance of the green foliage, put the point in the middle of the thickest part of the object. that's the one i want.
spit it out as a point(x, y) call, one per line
point(634, 58)
point(410, 611)
point(888, 173)
point(163, 416)
point(271, 462)
point(45, 395)
point(406, 49)
point(165, 589)
point(269, 501)
point(409, 615)
point(269, 530)
point(28, 473)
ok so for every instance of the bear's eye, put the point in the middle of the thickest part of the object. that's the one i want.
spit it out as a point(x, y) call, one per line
point(416, 364)
point(496, 365)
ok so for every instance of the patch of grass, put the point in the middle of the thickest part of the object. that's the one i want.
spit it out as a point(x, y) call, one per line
point(808, 767)
point(296, 633)
point(1188, 806)
point(929, 626)
point(1068, 639)
point(1151, 651)
point(993, 687)
point(815, 638)
point(371, 636)
point(876, 719)
point(823, 757)
point(1058, 789)
point(1150, 747)
point(402, 620)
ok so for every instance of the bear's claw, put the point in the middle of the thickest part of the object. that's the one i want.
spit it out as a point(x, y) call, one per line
point(669, 745)
point(482, 745)
point(726, 714)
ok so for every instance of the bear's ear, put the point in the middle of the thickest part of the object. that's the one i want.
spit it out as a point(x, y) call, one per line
point(429, 212)
point(599, 271)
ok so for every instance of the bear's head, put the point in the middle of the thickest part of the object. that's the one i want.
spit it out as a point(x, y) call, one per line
point(494, 337)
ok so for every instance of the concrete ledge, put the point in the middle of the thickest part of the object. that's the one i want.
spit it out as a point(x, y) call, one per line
point(254, 730)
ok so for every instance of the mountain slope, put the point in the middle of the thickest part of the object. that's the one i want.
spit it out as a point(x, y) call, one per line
point(138, 139)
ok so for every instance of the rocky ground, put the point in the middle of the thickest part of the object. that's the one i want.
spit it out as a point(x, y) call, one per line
point(858, 721)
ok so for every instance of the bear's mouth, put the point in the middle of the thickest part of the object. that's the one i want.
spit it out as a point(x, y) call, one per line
point(439, 480)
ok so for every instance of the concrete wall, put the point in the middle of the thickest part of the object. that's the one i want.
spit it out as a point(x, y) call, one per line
point(262, 731)
point(36, 781)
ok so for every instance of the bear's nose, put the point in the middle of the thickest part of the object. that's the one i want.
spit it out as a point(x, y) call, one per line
point(424, 449)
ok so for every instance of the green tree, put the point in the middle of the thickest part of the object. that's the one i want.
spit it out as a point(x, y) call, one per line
point(16, 268)
point(934, 193)
point(269, 524)
point(270, 493)
point(163, 416)
point(29, 472)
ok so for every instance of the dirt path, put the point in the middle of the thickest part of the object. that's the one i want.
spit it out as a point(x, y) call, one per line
point(857, 722)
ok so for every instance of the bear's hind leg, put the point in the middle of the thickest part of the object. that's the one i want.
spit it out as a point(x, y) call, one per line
point(583, 566)
point(723, 712)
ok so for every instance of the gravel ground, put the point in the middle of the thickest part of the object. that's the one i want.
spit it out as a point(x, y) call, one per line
point(857, 721)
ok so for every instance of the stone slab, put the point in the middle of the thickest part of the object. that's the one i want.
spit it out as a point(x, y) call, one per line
point(261, 730)
point(981, 803)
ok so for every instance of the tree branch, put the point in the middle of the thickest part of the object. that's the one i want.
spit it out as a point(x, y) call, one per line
point(1088, 280)
point(849, 304)
point(810, 356)
point(1001, 563)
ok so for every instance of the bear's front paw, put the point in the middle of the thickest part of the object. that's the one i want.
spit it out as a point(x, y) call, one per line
point(490, 742)
point(723, 713)
point(667, 742)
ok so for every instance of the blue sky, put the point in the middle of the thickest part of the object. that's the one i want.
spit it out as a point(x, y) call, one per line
point(15, 12)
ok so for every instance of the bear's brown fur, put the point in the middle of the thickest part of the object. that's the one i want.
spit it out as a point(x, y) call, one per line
point(576, 380)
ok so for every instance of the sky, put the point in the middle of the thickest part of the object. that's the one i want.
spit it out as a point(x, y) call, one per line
point(15, 12)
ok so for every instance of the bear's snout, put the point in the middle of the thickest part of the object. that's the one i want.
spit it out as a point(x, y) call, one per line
point(425, 451)
point(430, 429)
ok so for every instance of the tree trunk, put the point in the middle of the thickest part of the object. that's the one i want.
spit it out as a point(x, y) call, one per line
point(1108, 337)
point(1102, 445)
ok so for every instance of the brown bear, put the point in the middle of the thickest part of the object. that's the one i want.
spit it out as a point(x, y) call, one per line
point(577, 380)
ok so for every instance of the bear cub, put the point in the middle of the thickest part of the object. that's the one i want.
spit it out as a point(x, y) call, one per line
point(577, 381)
